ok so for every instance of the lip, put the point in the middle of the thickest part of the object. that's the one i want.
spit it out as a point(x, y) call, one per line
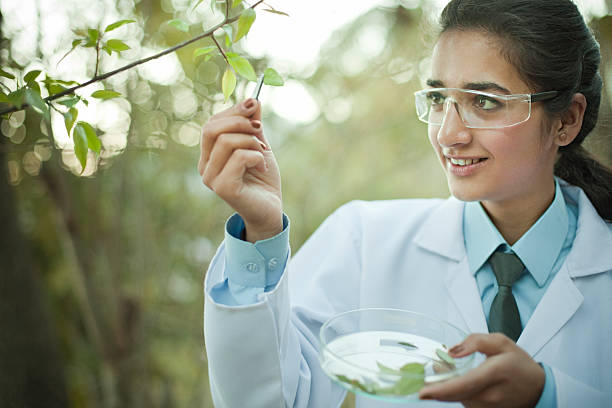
point(463, 171)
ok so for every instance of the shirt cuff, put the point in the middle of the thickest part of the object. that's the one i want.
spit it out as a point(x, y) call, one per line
point(548, 399)
point(258, 264)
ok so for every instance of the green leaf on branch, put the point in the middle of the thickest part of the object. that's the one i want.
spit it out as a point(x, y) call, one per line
point(92, 37)
point(108, 49)
point(236, 3)
point(105, 94)
point(34, 85)
point(16, 97)
point(116, 45)
point(59, 81)
point(228, 83)
point(203, 51)
point(244, 23)
point(117, 24)
point(179, 25)
point(3, 97)
point(54, 88)
point(274, 11)
point(197, 3)
point(80, 144)
point(75, 44)
point(31, 76)
point(229, 33)
point(242, 66)
point(34, 99)
point(70, 102)
point(92, 138)
point(6, 74)
point(70, 117)
point(271, 77)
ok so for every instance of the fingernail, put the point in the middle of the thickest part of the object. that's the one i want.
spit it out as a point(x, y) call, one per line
point(256, 124)
point(262, 144)
point(248, 104)
point(458, 349)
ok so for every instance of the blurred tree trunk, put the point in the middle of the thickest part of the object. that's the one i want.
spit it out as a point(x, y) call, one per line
point(31, 370)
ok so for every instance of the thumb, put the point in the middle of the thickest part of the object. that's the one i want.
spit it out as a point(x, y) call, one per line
point(487, 344)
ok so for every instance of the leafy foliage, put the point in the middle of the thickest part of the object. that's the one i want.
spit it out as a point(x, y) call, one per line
point(246, 20)
point(179, 25)
point(228, 83)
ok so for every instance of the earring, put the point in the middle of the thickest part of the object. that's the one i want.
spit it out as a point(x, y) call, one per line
point(562, 136)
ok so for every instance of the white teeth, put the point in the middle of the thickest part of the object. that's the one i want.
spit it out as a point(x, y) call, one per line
point(463, 162)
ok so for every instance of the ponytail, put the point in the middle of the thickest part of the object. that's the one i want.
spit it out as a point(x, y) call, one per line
point(578, 167)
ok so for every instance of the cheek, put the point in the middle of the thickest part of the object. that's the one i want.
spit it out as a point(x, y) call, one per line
point(521, 150)
point(432, 133)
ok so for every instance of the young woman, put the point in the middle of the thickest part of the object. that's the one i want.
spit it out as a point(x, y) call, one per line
point(514, 91)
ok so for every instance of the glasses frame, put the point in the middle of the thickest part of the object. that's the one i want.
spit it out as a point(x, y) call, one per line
point(527, 98)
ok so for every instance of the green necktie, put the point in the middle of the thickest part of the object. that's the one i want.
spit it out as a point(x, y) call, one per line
point(504, 315)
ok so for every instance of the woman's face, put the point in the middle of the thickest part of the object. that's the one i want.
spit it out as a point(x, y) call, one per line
point(515, 164)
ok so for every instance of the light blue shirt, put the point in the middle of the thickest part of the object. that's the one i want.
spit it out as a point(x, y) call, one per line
point(542, 249)
point(253, 269)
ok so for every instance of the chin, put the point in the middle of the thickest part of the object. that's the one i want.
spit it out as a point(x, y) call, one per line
point(464, 193)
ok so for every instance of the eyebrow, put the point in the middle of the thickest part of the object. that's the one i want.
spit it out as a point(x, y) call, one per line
point(476, 86)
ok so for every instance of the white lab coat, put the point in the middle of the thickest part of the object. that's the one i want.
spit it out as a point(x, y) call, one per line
point(405, 254)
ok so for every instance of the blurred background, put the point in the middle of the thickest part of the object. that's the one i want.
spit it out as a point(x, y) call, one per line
point(101, 273)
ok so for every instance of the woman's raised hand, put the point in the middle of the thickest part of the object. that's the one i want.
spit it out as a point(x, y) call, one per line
point(236, 162)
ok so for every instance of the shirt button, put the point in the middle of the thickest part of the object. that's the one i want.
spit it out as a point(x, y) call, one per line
point(272, 264)
point(251, 267)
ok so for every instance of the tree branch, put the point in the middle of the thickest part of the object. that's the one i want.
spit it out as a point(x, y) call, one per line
point(220, 50)
point(97, 78)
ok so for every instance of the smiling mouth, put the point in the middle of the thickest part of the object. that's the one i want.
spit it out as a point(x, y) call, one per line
point(464, 162)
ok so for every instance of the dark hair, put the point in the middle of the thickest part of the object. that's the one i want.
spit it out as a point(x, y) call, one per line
point(552, 48)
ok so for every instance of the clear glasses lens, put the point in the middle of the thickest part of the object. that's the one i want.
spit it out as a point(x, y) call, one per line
point(476, 109)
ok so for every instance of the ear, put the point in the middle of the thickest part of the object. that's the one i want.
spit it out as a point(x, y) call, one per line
point(571, 121)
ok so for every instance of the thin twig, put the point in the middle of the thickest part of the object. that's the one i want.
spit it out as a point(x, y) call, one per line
point(220, 49)
point(97, 56)
point(98, 78)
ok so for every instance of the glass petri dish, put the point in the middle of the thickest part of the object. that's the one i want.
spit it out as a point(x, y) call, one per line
point(389, 354)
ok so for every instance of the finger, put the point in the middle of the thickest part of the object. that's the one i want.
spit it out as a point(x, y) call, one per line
point(488, 344)
point(245, 109)
point(230, 180)
point(463, 387)
point(224, 148)
point(257, 113)
point(232, 124)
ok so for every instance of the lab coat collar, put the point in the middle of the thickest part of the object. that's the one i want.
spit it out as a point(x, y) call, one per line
point(590, 252)
point(442, 230)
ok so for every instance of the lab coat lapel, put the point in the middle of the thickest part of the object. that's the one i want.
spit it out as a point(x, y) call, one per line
point(557, 306)
point(442, 234)
point(463, 291)
point(590, 254)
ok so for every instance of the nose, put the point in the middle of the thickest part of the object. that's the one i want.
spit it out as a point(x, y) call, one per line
point(453, 131)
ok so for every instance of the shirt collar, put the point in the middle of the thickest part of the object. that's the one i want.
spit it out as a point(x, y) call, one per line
point(538, 248)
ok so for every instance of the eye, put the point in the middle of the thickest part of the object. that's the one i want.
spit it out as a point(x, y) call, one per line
point(485, 102)
point(435, 98)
